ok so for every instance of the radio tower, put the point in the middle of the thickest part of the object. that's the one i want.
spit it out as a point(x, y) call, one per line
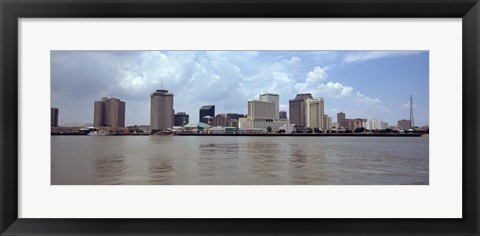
point(412, 122)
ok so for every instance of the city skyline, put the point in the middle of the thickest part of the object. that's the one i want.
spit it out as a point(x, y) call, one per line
point(379, 90)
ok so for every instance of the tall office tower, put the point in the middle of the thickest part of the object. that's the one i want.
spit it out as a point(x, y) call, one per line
point(181, 118)
point(340, 117)
point(270, 97)
point(297, 109)
point(53, 116)
point(327, 122)
point(261, 109)
point(109, 112)
point(161, 110)
point(314, 110)
point(208, 110)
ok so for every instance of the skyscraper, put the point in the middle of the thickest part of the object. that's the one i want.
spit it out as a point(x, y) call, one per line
point(109, 112)
point(53, 116)
point(262, 114)
point(340, 117)
point(261, 109)
point(208, 110)
point(270, 97)
point(314, 112)
point(161, 110)
point(297, 110)
point(181, 118)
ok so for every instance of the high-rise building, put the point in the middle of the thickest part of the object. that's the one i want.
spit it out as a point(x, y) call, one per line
point(109, 112)
point(340, 117)
point(208, 110)
point(314, 110)
point(262, 114)
point(53, 116)
point(375, 125)
point(161, 110)
point(327, 122)
point(282, 115)
point(181, 118)
point(270, 97)
point(297, 110)
point(261, 109)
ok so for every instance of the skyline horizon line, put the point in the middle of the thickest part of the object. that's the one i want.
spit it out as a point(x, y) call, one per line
point(245, 114)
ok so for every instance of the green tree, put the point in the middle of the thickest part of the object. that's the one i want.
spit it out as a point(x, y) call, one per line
point(269, 129)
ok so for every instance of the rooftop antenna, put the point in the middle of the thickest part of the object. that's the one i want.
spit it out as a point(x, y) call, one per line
point(412, 122)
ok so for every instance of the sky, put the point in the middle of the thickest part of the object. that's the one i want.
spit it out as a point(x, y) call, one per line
point(362, 84)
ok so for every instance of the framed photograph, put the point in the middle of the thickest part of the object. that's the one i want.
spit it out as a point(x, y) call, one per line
point(250, 118)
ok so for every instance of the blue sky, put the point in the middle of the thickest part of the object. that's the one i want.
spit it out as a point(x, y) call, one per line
point(363, 84)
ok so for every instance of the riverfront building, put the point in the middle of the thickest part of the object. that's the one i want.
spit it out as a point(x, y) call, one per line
point(181, 118)
point(221, 120)
point(297, 110)
point(262, 114)
point(404, 124)
point(161, 110)
point(208, 110)
point(375, 125)
point(314, 113)
point(282, 115)
point(109, 112)
point(53, 117)
point(270, 97)
point(345, 123)
point(261, 109)
point(327, 122)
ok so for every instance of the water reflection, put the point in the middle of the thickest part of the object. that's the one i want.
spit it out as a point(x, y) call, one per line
point(227, 149)
point(239, 160)
point(109, 168)
point(160, 171)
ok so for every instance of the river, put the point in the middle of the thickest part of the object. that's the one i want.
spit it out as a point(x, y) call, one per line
point(239, 160)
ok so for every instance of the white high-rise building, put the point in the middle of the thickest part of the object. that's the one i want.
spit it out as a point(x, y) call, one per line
point(270, 97)
point(314, 113)
point(327, 122)
point(261, 109)
point(375, 124)
point(263, 113)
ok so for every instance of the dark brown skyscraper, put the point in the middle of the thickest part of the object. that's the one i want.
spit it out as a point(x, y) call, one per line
point(109, 112)
point(161, 110)
point(53, 116)
point(297, 109)
point(340, 117)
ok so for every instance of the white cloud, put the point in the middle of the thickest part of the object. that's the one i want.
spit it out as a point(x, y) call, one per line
point(281, 83)
point(361, 98)
point(372, 55)
point(132, 83)
point(334, 89)
point(292, 61)
point(313, 80)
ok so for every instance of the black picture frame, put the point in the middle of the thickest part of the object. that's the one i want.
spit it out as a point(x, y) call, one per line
point(11, 11)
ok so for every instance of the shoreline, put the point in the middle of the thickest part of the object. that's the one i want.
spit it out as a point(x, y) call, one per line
point(269, 134)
